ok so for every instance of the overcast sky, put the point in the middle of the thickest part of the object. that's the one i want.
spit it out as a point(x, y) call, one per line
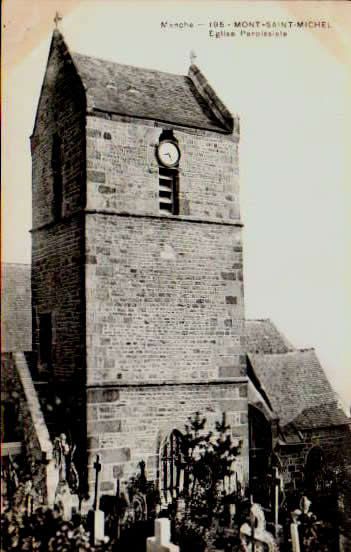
point(291, 95)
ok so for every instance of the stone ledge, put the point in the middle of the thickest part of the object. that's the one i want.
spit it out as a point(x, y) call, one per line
point(170, 383)
point(36, 414)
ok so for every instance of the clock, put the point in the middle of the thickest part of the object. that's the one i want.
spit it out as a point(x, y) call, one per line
point(168, 153)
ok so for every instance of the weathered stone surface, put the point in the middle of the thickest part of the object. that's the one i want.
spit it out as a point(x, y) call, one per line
point(96, 176)
point(231, 371)
point(104, 427)
point(127, 165)
point(150, 413)
point(103, 395)
point(118, 471)
point(109, 456)
point(151, 318)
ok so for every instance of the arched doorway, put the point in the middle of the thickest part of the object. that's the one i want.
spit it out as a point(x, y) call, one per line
point(319, 481)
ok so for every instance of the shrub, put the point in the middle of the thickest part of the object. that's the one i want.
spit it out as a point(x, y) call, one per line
point(45, 531)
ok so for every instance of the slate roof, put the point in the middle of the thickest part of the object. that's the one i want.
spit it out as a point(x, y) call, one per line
point(145, 93)
point(16, 316)
point(263, 337)
point(298, 389)
point(293, 379)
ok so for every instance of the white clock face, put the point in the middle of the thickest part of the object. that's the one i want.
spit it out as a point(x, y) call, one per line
point(168, 153)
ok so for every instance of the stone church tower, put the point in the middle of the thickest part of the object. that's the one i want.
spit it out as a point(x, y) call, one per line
point(137, 286)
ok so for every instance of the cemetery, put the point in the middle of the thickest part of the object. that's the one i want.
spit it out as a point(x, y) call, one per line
point(202, 507)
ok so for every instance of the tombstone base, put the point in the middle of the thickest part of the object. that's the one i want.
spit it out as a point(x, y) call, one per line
point(161, 541)
point(67, 502)
point(152, 545)
point(98, 526)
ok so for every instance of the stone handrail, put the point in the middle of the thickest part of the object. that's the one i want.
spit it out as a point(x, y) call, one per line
point(37, 436)
point(37, 445)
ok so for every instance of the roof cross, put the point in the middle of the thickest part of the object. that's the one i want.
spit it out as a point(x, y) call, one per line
point(193, 57)
point(57, 18)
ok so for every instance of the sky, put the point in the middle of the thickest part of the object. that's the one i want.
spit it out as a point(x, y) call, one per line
point(291, 94)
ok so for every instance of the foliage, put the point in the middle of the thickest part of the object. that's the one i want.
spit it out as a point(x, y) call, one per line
point(21, 480)
point(315, 536)
point(208, 461)
point(45, 531)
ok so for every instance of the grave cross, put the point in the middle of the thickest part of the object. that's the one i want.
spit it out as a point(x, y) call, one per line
point(276, 486)
point(97, 467)
point(57, 18)
point(254, 536)
point(294, 531)
point(98, 517)
point(277, 482)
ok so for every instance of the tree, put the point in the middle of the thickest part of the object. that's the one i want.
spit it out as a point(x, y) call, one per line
point(208, 461)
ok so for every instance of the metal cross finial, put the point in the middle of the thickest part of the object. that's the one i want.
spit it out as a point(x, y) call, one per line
point(57, 18)
point(193, 57)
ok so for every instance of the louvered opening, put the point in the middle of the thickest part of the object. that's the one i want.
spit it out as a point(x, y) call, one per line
point(167, 191)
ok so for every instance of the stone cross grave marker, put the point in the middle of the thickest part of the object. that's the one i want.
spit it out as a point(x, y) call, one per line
point(161, 542)
point(99, 517)
point(277, 483)
point(294, 531)
point(305, 504)
point(254, 537)
point(66, 501)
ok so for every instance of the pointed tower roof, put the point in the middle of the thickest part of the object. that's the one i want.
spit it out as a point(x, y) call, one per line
point(186, 100)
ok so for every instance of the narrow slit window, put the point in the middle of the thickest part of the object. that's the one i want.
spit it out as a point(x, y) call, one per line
point(56, 165)
point(45, 340)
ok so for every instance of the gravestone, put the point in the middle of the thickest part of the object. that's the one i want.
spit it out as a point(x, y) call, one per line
point(28, 493)
point(161, 542)
point(98, 517)
point(67, 502)
point(254, 537)
point(297, 515)
point(276, 490)
point(52, 480)
point(294, 531)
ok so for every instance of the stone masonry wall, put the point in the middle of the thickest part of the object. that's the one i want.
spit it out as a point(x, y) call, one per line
point(122, 173)
point(61, 110)
point(58, 288)
point(164, 293)
point(128, 424)
point(335, 441)
point(164, 300)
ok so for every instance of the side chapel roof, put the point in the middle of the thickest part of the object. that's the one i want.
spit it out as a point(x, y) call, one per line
point(293, 379)
point(263, 337)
